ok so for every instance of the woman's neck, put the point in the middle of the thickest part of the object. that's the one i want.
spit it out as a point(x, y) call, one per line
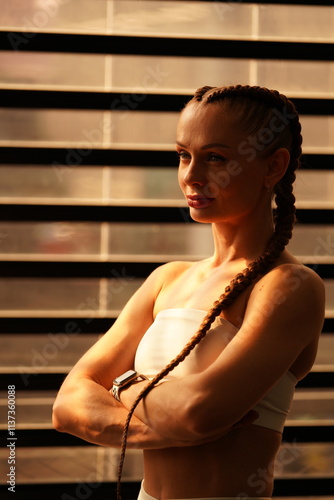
point(244, 242)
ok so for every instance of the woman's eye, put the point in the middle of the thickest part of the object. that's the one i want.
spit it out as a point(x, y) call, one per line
point(182, 155)
point(213, 157)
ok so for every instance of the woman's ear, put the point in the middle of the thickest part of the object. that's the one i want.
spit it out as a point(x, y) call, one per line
point(276, 167)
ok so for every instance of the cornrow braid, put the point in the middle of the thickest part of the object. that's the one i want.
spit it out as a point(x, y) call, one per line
point(284, 215)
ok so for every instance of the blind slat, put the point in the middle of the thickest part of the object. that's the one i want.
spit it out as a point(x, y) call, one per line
point(190, 47)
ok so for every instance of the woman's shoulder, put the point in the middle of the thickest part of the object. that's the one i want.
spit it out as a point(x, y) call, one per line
point(172, 270)
point(289, 302)
point(165, 276)
point(292, 281)
point(291, 270)
point(291, 274)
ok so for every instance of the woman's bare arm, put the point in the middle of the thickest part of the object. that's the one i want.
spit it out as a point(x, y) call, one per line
point(98, 418)
point(284, 316)
point(84, 406)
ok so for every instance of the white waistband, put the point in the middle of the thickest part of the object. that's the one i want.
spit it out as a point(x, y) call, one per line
point(145, 496)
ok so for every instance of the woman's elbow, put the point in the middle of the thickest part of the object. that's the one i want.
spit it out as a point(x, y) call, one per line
point(66, 406)
point(197, 419)
point(198, 427)
point(65, 412)
point(201, 421)
point(59, 417)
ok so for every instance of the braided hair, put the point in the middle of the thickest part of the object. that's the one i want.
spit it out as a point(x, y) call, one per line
point(257, 108)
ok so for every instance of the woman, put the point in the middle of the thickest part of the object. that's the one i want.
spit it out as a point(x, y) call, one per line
point(215, 421)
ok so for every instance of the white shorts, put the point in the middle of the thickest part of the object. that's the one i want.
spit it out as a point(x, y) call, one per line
point(145, 496)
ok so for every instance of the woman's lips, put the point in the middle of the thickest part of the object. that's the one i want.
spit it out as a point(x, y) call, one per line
point(199, 202)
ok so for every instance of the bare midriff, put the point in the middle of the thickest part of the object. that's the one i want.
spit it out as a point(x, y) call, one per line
point(239, 464)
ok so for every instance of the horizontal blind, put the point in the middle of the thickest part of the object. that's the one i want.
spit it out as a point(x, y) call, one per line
point(90, 93)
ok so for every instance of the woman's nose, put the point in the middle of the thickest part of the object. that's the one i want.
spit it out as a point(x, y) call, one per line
point(194, 174)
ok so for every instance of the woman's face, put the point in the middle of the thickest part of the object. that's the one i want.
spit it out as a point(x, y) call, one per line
point(221, 173)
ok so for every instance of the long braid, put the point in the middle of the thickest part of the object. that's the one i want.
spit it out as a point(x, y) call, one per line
point(284, 218)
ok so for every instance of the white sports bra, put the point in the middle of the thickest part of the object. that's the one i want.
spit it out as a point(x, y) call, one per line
point(169, 333)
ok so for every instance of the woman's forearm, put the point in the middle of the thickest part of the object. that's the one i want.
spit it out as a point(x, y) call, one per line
point(87, 410)
point(170, 407)
point(166, 410)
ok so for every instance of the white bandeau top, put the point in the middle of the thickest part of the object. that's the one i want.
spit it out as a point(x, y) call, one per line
point(169, 333)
